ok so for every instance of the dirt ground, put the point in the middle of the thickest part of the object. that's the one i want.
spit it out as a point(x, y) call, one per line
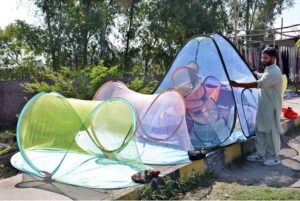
point(253, 180)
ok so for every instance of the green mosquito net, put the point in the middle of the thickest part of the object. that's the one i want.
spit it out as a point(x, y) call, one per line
point(49, 126)
point(162, 136)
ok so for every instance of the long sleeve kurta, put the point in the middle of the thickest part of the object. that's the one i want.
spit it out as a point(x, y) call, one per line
point(270, 99)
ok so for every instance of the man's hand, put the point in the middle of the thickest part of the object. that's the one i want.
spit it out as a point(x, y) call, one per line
point(233, 83)
point(243, 85)
point(256, 73)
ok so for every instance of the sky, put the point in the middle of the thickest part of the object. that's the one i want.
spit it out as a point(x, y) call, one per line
point(290, 16)
point(11, 10)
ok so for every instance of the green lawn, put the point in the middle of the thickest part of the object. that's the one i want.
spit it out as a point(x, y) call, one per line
point(234, 191)
point(207, 187)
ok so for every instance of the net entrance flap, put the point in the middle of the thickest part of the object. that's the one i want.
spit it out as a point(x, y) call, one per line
point(238, 70)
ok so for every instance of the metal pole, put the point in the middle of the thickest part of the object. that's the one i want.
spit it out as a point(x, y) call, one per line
point(274, 38)
point(281, 27)
point(295, 25)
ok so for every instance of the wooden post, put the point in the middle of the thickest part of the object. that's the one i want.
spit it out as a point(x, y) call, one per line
point(235, 21)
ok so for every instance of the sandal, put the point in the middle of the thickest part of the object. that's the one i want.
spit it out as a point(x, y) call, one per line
point(145, 176)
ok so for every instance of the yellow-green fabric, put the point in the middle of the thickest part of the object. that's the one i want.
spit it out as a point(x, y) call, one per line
point(51, 123)
point(284, 87)
point(83, 107)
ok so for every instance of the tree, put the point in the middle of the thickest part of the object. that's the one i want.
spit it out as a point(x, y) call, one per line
point(268, 11)
point(167, 24)
point(129, 33)
point(150, 31)
point(259, 15)
point(76, 29)
point(20, 42)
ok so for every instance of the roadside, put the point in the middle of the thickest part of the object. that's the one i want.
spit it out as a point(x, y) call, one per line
point(245, 180)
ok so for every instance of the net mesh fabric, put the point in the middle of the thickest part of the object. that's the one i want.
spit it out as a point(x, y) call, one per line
point(49, 129)
point(201, 72)
point(237, 70)
point(250, 109)
point(161, 117)
point(198, 77)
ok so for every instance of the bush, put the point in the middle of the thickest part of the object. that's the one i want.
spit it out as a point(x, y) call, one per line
point(82, 84)
point(72, 83)
point(136, 85)
point(60, 81)
point(142, 86)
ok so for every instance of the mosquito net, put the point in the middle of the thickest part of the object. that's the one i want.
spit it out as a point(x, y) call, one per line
point(237, 69)
point(216, 114)
point(49, 126)
point(161, 132)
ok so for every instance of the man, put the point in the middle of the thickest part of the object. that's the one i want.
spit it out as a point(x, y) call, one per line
point(268, 127)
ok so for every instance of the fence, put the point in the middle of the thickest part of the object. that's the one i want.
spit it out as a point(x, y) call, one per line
point(12, 100)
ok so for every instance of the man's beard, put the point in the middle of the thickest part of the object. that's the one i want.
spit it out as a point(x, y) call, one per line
point(267, 64)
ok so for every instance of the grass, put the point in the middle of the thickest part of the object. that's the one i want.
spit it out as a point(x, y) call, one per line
point(7, 145)
point(176, 188)
point(234, 191)
point(8, 136)
point(6, 170)
point(7, 142)
point(5, 151)
point(196, 187)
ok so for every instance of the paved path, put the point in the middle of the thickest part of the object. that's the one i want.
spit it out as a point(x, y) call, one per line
point(9, 191)
point(293, 103)
point(287, 174)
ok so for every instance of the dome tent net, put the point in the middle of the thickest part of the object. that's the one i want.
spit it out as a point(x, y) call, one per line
point(49, 126)
point(161, 126)
point(237, 69)
point(216, 113)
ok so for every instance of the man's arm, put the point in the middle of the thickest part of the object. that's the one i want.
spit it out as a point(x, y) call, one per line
point(243, 85)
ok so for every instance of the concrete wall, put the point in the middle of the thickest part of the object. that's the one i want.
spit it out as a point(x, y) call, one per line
point(12, 100)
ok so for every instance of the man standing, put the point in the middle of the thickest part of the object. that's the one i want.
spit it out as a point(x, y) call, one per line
point(268, 127)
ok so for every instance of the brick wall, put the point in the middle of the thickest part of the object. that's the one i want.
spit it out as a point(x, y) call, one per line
point(12, 100)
